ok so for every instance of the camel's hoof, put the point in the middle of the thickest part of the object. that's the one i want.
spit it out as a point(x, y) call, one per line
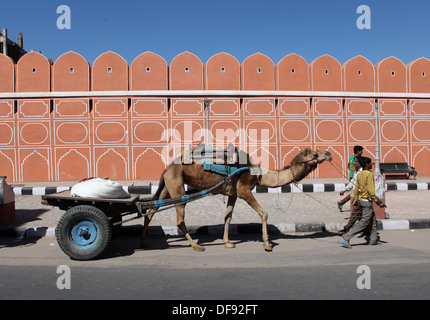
point(267, 247)
point(229, 245)
point(198, 248)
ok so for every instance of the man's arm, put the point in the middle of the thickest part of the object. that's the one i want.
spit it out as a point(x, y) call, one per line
point(356, 192)
point(370, 186)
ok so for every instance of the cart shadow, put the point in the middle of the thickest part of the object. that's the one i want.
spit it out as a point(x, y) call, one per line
point(23, 216)
point(120, 247)
point(12, 242)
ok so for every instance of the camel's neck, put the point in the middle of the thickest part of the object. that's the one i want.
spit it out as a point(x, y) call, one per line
point(277, 178)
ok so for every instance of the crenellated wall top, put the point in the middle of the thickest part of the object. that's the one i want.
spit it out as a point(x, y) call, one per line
point(149, 71)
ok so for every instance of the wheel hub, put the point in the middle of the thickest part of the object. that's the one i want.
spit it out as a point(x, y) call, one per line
point(83, 233)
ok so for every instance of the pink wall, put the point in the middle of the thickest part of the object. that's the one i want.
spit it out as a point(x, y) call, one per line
point(128, 138)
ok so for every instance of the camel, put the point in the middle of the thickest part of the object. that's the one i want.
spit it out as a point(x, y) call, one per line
point(176, 174)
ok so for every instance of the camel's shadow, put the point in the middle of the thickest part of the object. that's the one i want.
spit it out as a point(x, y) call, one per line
point(239, 238)
point(127, 243)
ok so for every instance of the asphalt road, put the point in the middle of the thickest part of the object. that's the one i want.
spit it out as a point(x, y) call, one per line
point(301, 266)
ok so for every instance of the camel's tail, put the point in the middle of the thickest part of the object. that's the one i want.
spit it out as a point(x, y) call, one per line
point(156, 196)
point(161, 186)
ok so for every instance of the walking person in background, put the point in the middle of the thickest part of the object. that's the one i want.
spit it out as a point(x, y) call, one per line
point(358, 151)
point(350, 186)
point(364, 194)
point(355, 210)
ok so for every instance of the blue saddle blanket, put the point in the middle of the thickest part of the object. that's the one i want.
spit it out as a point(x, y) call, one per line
point(222, 169)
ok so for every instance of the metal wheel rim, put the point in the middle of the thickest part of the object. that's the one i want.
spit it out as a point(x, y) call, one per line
point(83, 233)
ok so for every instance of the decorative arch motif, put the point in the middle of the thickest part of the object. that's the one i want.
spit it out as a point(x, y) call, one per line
point(325, 74)
point(292, 73)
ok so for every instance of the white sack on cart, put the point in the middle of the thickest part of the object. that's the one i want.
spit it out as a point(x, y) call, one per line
point(99, 188)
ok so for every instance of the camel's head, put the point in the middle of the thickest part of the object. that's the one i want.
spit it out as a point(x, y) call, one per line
point(311, 157)
point(307, 161)
point(322, 156)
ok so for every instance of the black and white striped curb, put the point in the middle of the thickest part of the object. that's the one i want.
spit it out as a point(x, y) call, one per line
point(235, 229)
point(290, 188)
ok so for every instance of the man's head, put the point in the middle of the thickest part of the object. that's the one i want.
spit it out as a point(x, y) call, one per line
point(356, 163)
point(365, 162)
point(358, 150)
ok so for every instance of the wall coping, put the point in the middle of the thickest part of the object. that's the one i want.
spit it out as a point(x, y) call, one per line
point(213, 93)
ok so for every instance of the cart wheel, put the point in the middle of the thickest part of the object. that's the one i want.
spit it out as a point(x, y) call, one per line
point(83, 232)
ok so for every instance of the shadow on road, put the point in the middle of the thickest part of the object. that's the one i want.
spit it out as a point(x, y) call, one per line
point(127, 244)
point(17, 242)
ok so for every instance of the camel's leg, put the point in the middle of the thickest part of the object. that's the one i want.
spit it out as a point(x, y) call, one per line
point(180, 214)
point(249, 198)
point(176, 191)
point(163, 195)
point(228, 216)
point(148, 219)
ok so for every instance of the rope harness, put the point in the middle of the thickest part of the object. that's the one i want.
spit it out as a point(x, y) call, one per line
point(296, 184)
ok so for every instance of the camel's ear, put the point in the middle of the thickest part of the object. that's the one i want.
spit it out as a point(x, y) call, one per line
point(305, 151)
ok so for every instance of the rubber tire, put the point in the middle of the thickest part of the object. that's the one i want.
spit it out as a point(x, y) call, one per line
point(79, 216)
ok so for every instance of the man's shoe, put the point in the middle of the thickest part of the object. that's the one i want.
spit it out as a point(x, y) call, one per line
point(346, 244)
point(377, 243)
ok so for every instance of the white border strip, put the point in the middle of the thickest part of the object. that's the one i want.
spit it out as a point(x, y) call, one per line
point(17, 191)
point(422, 186)
point(339, 187)
point(212, 93)
point(402, 186)
point(38, 191)
point(319, 187)
point(395, 224)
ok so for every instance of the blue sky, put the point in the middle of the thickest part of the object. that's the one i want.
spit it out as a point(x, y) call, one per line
point(276, 28)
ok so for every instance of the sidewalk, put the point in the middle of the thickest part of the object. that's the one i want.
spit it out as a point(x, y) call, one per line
point(309, 208)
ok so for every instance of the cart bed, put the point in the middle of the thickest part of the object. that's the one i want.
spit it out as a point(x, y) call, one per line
point(64, 198)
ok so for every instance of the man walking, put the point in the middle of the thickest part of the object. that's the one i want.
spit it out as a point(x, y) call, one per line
point(364, 195)
point(350, 186)
point(358, 151)
point(355, 210)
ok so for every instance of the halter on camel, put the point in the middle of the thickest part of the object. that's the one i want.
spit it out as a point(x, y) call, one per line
point(306, 166)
